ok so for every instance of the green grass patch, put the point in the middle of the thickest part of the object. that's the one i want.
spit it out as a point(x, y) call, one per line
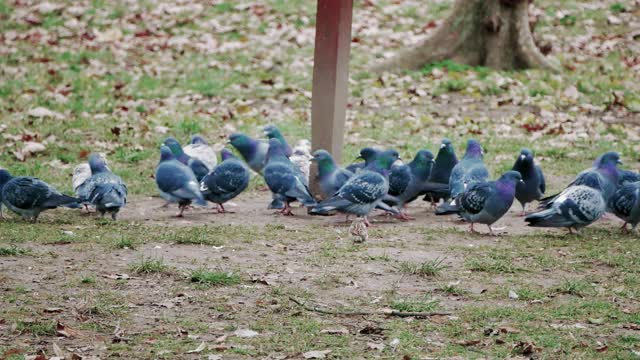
point(214, 278)
point(429, 268)
point(148, 265)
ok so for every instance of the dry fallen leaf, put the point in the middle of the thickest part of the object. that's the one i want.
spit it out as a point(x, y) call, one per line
point(29, 148)
point(245, 333)
point(338, 331)
point(199, 349)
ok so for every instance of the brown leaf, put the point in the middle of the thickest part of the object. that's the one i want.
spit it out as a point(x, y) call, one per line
point(524, 348)
point(509, 330)
point(115, 131)
point(602, 348)
point(53, 310)
point(468, 342)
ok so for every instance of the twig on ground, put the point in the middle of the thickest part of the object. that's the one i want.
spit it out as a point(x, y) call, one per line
point(387, 312)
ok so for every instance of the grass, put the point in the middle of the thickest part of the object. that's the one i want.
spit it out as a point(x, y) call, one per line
point(429, 268)
point(415, 305)
point(214, 278)
point(37, 327)
point(148, 265)
point(13, 251)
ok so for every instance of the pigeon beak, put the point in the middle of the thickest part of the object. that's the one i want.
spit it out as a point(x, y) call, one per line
point(522, 157)
point(358, 158)
point(442, 146)
point(619, 162)
point(521, 181)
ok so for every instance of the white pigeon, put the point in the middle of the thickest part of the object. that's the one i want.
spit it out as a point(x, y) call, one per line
point(80, 174)
point(301, 156)
point(200, 149)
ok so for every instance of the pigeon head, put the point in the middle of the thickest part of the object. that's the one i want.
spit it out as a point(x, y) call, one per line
point(368, 154)
point(608, 159)
point(166, 154)
point(422, 159)
point(174, 146)
point(97, 163)
point(5, 176)
point(385, 159)
point(526, 154)
point(474, 150)
point(324, 160)
point(271, 131)
point(242, 143)
point(197, 139)
point(445, 143)
point(511, 176)
point(524, 161)
point(226, 154)
point(276, 149)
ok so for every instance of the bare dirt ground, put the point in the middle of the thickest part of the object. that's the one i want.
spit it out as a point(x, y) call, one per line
point(122, 313)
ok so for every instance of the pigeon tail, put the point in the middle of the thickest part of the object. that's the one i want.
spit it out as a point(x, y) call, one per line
point(547, 218)
point(63, 200)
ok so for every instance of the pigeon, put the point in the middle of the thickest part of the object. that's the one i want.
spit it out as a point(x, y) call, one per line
point(301, 157)
point(28, 196)
point(226, 181)
point(284, 180)
point(272, 132)
point(176, 182)
point(602, 176)
point(198, 168)
point(364, 191)
point(5, 176)
point(254, 152)
point(486, 202)
point(625, 204)
point(533, 185)
point(575, 207)
point(469, 171)
point(199, 149)
point(446, 160)
point(367, 154)
point(410, 180)
point(103, 189)
point(331, 177)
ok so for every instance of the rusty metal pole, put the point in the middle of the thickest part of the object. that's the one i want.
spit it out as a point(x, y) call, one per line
point(330, 78)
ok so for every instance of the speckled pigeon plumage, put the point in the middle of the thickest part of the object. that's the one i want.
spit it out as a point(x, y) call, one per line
point(226, 181)
point(486, 202)
point(625, 204)
point(445, 161)
point(28, 196)
point(198, 168)
point(576, 207)
point(367, 154)
point(103, 189)
point(364, 191)
point(603, 176)
point(301, 157)
point(254, 152)
point(627, 176)
point(199, 149)
point(284, 180)
point(272, 132)
point(176, 182)
point(331, 177)
point(469, 171)
point(533, 183)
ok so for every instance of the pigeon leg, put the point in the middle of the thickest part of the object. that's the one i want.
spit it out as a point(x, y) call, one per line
point(366, 222)
point(221, 210)
point(114, 216)
point(524, 210)
point(287, 210)
point(624, 229)
point(491, 231)
point(404, 216)
point(472, 229)
point(180, 214)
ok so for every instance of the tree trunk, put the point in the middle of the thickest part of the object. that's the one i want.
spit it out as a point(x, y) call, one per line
point(492, 33)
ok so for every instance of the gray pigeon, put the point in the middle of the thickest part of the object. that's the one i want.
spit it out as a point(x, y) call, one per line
point(285, 181)
point(470, 170)
point(331, 177)
point(367, 154)
point(486, 202)
point(533, 183)
point(574, 208)
point(364, 191)
point(625, 204)
point(603, 176)
point(415, 174)
point(226, 181)
point(272, 132)
point(176, 182)
point(199, 149)
point(445, 161)
point(627, 176)
point(28, 196)
point(198, 167)
point(253, 151)
point(104, 189)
